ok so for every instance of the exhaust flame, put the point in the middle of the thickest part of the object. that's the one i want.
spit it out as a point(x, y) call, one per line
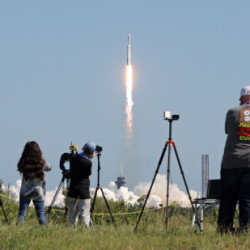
point(129, 103)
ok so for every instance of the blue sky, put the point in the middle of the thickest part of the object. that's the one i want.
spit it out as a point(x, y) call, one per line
point(62, 79)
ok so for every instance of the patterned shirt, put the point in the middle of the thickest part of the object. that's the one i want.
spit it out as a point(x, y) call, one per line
point(34, 188)
point(237, 148)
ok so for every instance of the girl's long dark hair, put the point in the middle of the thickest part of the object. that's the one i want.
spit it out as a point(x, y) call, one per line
point(31, 163)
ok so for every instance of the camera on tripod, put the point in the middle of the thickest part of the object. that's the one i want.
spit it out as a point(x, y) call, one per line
point(168, 116)
point(65, 157)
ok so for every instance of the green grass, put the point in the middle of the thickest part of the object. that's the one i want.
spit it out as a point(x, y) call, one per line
point(151, 234)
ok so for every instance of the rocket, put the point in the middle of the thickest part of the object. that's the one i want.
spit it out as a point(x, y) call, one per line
point(129, 51)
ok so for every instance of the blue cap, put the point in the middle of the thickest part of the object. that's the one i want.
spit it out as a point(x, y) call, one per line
point(89, 147)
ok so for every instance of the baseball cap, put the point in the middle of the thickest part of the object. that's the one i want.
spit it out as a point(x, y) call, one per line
point(245, 91)
point(89, 147)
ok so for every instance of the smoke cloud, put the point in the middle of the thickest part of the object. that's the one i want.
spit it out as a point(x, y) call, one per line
point(159, 192)
point(156, 199)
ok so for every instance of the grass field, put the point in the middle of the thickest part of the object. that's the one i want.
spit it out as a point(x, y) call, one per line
point(151, 234)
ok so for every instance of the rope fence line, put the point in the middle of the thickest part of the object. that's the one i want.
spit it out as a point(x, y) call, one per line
point(117, 214)
point(103, 215)
point(99, 214)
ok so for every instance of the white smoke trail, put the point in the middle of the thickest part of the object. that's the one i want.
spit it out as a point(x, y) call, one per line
point(156, 198)
point(129, 104)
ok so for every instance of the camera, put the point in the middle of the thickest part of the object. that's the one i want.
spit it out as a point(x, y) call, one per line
point(168, 116)
point(98, 149)
point(66, 157)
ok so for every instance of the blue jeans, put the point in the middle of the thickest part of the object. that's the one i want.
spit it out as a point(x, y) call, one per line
point(39, 206)
point(235, 186)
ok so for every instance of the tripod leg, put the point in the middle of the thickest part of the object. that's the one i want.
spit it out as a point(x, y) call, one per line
point(55, 196)
point(93, 204)
point(185, 182)
point(5, 216)
point(168, 174)
point(91, 224)
point(152, 183)
point(108, 208)
point(66, 200)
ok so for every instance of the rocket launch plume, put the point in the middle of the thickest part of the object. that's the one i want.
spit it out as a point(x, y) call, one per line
point(157, 197)
point(129, 156)
point(129, 97)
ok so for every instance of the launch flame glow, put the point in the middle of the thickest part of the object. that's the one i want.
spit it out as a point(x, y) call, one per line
point(129, 98)
point(129, 103)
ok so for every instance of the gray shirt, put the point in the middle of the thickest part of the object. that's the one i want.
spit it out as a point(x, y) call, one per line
point(237, 148)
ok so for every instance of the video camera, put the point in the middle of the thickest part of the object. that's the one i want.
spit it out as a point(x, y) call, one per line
point(65, 157)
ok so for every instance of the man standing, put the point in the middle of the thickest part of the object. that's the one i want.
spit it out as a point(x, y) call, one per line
point(235, 167)
point(78, 200)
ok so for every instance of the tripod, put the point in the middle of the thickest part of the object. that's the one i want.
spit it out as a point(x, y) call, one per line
point(98, 187)
point(66, 175)
point(168, 144)
point(1, 204)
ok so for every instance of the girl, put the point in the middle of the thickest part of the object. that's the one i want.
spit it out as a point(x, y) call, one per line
point(32, 166)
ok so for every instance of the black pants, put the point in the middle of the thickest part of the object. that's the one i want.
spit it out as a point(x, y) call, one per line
point(235, 186)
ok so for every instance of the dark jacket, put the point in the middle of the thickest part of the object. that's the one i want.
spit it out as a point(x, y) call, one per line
point(80, 170)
